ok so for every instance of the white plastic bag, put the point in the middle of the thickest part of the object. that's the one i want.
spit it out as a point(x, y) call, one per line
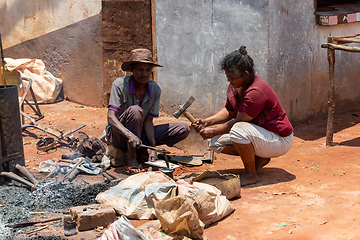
point(122, 229)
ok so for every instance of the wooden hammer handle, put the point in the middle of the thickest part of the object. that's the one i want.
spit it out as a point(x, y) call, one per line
point(192, 119)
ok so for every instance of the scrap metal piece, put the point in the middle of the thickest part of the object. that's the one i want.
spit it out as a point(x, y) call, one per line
point(73, 171)
point(25, 224)
point(18, 178)
point(158, 150)
point(45, 144)
point(26, 173)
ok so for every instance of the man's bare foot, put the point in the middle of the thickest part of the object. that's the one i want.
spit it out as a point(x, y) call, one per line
point(133, 166)
point(260, 162)
point(248, 178)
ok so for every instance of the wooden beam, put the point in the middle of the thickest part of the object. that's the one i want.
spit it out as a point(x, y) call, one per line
point(350, 36)
point(339, 47)
point(331, 97)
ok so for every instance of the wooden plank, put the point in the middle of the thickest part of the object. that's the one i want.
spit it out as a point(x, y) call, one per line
point(11, 157)
point(349, 36)
point(340, 47)
point(348, 40)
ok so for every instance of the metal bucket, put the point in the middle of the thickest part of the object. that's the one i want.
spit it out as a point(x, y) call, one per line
point(10, 129)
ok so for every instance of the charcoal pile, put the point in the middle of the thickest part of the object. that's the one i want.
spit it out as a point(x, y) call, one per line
point(16, 201)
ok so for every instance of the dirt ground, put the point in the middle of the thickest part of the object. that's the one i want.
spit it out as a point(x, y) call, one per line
point(309, 193)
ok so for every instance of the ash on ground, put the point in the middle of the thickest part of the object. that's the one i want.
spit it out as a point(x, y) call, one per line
point(16, 201)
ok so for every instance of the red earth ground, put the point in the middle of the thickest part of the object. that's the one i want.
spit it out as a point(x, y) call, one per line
point(312, 192)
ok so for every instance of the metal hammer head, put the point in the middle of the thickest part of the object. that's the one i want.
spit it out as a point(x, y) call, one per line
point(184, 107)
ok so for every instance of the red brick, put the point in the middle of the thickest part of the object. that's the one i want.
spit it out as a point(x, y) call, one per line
point(90, 217)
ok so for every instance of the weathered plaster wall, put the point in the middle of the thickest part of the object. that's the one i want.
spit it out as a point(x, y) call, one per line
point(347, 71)
point(281, 36)
point(66, 35)
point(292, 54)
point(193, 36)
point(298, 66)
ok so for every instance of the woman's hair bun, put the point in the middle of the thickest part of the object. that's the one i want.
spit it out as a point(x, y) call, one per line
point(242, 50)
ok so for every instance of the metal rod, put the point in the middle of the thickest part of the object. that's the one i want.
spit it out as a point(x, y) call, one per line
point(3, 62)
point(24, 224)
point(26, 173)
point(17, 178)
point(107, 176)
point(74, 169)
point(114, 175)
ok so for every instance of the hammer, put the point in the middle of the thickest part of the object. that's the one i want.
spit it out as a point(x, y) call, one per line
point(182, 110)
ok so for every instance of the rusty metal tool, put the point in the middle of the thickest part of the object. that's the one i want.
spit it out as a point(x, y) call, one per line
point(107, 176)
point(114, 175)
point(26, 173)
point(58, 134)
point(48, 143)
point(18, 178)
point(73, 172)
point(45, 144)
point(183, 110)
point(164, 151)
point(25, 224)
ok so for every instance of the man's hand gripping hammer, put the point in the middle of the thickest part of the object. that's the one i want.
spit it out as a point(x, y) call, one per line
point(182, 110)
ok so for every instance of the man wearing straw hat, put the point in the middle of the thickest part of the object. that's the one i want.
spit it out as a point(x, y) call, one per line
point(134, 102)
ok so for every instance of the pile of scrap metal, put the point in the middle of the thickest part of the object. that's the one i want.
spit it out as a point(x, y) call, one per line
point(69, 171)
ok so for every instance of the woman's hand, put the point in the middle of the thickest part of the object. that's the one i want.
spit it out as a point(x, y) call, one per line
point(200, 124)
point(207, 133)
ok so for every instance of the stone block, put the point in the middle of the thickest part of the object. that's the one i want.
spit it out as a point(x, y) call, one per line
point(92, 216)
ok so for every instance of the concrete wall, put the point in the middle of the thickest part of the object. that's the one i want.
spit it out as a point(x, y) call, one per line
point(193, 36)
point(66, 35)
point(347, 71)
point(281, 36)
point(292, 55)
point(298, 66)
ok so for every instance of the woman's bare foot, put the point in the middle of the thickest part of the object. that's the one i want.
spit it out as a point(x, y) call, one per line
point(260, 162)
point(248, 178)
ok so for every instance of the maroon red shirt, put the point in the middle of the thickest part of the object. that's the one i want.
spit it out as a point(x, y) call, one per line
point(260, 102)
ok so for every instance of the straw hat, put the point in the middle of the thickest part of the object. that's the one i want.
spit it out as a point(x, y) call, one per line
point(139, 56)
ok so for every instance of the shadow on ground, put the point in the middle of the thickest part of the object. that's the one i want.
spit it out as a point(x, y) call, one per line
point(316, 128)
point(267, 176)
point(351, 143)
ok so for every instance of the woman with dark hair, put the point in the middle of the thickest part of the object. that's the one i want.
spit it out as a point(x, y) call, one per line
point(253, 123)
